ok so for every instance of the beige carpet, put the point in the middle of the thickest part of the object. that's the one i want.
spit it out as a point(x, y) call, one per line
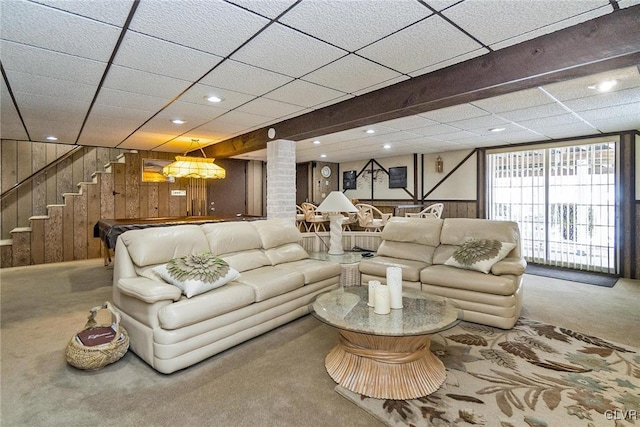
point(534, 374)
point(277, 379)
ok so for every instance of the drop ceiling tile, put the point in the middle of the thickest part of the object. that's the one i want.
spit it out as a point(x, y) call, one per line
point(454, 113)
point(439, 129)
point(458, 136)
point(602, 10)
point(495, 21)
point(531, 113)
point(269, 8)
point(134, 101)
point(211, 26)
point(193, 114)
point(254, 81)
point(331, 101)
point(110, 12)
point(269, 108)
point(568, 130)
point(145, 140)
point(287, 51)
point(482, 123)
point(381, 85)
point(522, 99)
point(25, 85)
point(441, 4)
point(28, 59)
point(410, 122)
point(627, 3)
point(632, 109)
point(605, 100)
point(220, 127)
point(304, 94)
point(626, 78)
point(10, 126)
point(351, 26)
point(65, 131)
point(615, 124)
point(230, 99)
point(134, 81)
point(444, 42)
point(539, 125)
point(451, 61)
point(241, 118)
point(41, 26)
point(129, 118)
point(153, 55)
point(350, 74)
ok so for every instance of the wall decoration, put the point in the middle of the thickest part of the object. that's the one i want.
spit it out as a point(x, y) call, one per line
point(152, 170)
point(398, 177)
point(349, 180)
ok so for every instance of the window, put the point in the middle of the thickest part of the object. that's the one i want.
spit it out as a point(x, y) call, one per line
point(563, 199)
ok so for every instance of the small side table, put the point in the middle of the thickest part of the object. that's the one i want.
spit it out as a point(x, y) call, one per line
point(349, 261)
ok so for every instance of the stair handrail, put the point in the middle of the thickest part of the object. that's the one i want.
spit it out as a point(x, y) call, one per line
point(41, 170)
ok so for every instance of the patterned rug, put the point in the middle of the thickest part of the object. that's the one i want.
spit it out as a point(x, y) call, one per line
point(532, 375)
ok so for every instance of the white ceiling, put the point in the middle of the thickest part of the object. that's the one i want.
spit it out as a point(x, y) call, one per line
point(275, 59)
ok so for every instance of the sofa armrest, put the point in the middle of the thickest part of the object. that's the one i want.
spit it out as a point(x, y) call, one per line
point(148, 290)
point(512, 265)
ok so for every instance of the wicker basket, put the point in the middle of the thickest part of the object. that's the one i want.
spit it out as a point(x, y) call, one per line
point(96, 357)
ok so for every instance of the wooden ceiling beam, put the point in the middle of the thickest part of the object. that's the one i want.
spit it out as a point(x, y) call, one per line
point(605, 43)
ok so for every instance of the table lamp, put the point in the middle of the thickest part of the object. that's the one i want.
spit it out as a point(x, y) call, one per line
point(335, 203)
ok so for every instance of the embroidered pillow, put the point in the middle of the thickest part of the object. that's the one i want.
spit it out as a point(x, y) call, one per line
point(197, 273)
point(480, 254)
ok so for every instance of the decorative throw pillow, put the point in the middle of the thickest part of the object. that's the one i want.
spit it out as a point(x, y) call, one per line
point(480, 254)
point(197, 273)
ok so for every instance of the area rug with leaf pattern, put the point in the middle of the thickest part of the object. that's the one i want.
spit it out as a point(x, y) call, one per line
point(532, 375)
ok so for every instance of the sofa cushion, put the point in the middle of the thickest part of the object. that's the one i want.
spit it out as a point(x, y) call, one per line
point(268, 282)
point(157, 245)
point(286, 253)
point(458, 278)
point(480, 254)
point(196, 273)
point(230, 237)
point(411, 251)
point(314, 270)
point(423, 231)
point(205, 306)
point(377, 266)
point(246, 260)
point(277, 232)
point(456, 231)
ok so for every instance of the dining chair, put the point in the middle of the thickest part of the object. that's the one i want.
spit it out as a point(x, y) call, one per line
point(431, 211)
point(313, 219)
point(371, 218)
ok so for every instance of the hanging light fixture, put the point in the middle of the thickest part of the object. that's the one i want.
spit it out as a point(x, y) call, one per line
point(194, 167)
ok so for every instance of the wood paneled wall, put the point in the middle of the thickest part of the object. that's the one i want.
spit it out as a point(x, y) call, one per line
point(59, 208)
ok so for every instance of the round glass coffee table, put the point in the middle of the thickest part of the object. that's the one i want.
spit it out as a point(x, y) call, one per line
point(385, 356)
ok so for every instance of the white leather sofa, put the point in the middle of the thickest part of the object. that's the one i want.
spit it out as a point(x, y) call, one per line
point(423, 247)
point(277, 282)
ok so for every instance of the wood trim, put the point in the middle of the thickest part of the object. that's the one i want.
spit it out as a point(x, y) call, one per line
point(601, 44)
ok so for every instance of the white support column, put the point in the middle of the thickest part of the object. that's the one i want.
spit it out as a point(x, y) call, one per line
point(281, 179)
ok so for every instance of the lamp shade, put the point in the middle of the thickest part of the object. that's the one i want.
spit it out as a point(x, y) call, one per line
point(336, 201)
point(194, 167)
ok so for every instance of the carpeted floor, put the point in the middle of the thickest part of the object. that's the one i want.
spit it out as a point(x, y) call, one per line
point(277, 379)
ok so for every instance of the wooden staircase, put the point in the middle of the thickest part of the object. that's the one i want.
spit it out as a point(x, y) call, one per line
point(66, 232)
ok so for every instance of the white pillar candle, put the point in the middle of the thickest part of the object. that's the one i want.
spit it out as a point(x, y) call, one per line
point(394, 281)
point(382, 300)
point(372, 292)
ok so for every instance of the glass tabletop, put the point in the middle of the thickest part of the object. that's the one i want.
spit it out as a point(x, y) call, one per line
point(422, 313)
point(346, 258)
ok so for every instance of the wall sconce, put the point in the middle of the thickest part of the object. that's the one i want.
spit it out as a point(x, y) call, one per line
point(439, 164)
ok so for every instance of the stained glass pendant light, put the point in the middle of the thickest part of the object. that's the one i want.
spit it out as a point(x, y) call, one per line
point(194, 167)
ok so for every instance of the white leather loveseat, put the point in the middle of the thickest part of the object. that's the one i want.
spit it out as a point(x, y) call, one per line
point(169, 331)
point(424, 249)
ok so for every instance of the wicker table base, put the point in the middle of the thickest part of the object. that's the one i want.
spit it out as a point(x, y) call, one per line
point(385, 367)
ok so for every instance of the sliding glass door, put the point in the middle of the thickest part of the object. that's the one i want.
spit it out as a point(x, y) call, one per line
point(563, 198)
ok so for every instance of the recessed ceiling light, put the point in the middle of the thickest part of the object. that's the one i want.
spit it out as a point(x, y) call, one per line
point(178, 122)
point(213, 98)
point(323, 155)
point(52, 138)
point(317, 141)
point(386, 146)
point(370, 131)
point(496, 129)
point(604, 86)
